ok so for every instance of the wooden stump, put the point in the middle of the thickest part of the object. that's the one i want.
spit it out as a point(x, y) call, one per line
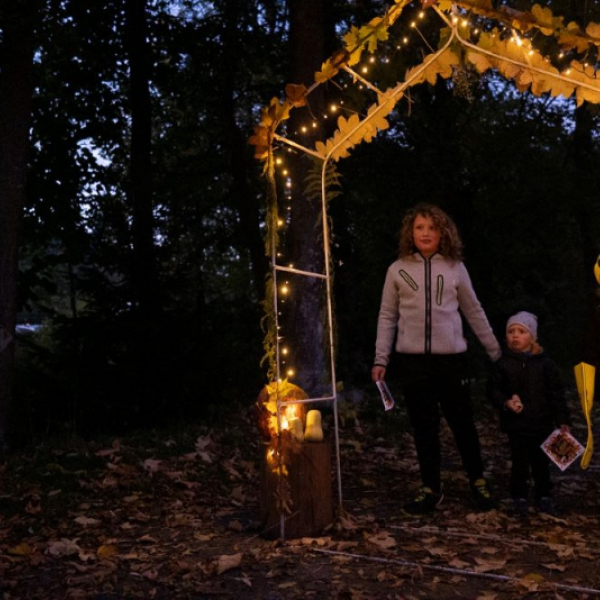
point(306, 490)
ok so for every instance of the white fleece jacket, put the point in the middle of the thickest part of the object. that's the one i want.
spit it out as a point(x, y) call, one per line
point(420, 307)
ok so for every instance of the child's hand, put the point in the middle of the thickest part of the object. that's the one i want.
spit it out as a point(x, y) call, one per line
point(565, 428)
point(514, 404)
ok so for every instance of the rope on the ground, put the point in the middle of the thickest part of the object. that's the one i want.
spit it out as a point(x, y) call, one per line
point(404, 563)
point(493, 538)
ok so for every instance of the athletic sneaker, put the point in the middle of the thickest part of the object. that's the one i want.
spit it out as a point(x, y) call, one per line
point(481, 495)
point(426, 501)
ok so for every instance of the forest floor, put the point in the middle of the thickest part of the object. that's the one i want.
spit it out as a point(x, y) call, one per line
point(175, 515)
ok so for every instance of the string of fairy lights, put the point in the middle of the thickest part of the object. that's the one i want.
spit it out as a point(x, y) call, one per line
point(470, 26)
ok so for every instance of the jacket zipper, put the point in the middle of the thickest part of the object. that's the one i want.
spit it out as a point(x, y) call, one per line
point(427, 305)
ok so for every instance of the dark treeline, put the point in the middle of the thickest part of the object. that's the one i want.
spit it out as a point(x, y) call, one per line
point(141, 250)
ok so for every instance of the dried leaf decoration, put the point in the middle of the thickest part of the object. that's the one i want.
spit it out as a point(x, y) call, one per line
point(271, 117)
point(533, 72)
point(296, 94)
point(353, 45)
point(374, 32)
point(353, 131)
point(514, 59)
point(546, 22)
point(593, 30)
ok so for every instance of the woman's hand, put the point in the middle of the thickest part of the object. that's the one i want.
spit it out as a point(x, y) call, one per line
point(378, 373)
point(514, 404)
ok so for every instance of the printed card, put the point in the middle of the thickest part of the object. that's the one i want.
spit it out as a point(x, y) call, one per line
point(386, 395)
point(562, 448)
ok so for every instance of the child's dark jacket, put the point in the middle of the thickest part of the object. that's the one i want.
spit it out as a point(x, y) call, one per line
point(536, 379)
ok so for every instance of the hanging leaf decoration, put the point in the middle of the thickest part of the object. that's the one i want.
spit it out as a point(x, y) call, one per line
point(519, 62)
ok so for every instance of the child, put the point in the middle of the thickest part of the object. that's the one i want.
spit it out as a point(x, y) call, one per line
point(419, 317)
point(527, 390)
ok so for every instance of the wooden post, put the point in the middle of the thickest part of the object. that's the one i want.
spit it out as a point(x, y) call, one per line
point(304, 494)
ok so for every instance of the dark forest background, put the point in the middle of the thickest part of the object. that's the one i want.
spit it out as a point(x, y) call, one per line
point(140, 226)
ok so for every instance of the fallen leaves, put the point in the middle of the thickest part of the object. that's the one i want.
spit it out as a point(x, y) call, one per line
point(154, 520)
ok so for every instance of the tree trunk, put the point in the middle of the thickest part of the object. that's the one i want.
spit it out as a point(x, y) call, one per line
point(304, 330)
point(306, 487)
point(16, 85)
point(238, 150)
point(140, 185)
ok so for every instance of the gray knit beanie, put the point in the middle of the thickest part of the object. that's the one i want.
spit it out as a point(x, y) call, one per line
point(525, 319)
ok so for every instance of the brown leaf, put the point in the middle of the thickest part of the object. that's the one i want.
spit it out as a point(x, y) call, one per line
point(82, 520)
point(554, 567)
point(226, 562)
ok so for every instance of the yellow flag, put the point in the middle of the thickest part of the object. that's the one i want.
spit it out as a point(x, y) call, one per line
point(584, 377)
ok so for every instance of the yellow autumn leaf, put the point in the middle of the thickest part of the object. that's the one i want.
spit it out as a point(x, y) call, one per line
point(22, 549)
point(578, 42)
point(584, 95)
point(523, 78)
point(545, 20)
point(562, 88)
point(593, 30)
point(106, 551)
point(440, 65)
point(353, 45)
point(479, 61)
point(328, 70)
point(541, 84)
point(321, 149)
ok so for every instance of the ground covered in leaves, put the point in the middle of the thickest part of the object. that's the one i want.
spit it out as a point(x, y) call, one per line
point(176, 515)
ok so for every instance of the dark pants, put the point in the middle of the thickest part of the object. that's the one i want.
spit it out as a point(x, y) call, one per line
point(434, 382)
point(529, 460)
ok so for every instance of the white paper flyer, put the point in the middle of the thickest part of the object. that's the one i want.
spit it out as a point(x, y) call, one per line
point(386, 395)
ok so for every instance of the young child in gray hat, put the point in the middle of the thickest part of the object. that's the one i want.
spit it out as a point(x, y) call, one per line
point(527, 390)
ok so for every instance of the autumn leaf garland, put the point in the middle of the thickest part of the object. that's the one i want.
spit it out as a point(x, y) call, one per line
point(519, 62)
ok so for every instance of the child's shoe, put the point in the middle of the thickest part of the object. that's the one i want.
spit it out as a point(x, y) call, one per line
point(521, 507)
point(482, 495)
point(546, 505)
point(426, 502)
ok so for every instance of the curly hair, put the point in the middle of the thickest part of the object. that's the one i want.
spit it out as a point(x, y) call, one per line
point(451, 245)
